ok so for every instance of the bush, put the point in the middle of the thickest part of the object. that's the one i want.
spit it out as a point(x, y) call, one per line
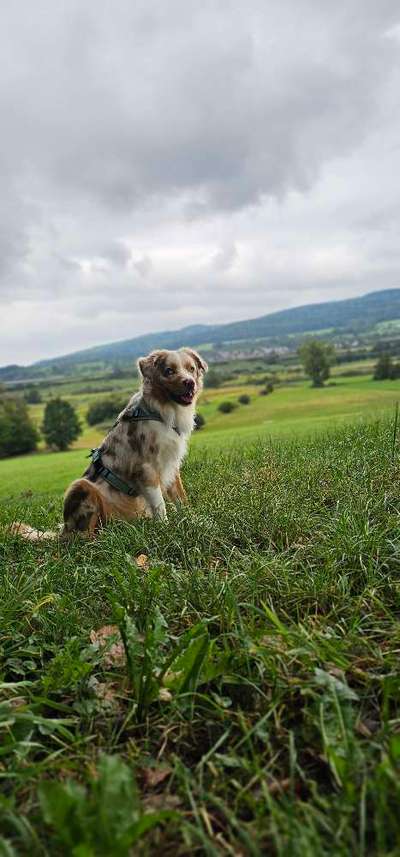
point(61, 425)
point(244, 399)
point(226, 407)
point(32, 396)
point(104, 409)
point(17, 433)
point(212, 379)
point(269, 388)
point(199, 422)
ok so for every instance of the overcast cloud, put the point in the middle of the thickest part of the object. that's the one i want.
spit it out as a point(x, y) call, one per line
point(168, 163)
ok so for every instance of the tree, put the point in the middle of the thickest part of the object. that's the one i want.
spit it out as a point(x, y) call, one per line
point(104, 409)
point(17, 433)
point(61, 425)
point(384, 368)
point(212, 379)
point(32, 396)
point(317, 358)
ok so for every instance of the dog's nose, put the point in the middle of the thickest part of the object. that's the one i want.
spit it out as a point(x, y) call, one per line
point(189, 385)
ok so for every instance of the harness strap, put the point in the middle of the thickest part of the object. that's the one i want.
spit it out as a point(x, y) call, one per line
point(139, 413)
point(110, 477)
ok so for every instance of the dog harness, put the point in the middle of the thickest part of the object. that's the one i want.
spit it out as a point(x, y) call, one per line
point(135, 414)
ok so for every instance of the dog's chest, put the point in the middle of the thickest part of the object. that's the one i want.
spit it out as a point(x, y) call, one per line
point(171, 450)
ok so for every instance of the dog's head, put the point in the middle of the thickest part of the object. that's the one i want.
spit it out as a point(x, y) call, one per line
point(173, 376)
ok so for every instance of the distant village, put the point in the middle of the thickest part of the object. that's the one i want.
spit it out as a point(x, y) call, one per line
point(224, 355)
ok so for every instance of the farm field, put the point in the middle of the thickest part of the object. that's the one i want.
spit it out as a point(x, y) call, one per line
point(250, 703)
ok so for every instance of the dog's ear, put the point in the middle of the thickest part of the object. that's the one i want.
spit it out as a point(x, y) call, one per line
point(199, 361)
point(146, 365)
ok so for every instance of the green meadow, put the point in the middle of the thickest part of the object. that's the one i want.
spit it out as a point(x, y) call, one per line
point(225, 683)
point(294, 409)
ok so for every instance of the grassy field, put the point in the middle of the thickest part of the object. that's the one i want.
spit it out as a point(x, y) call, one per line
point(250, 702)
point(291, 410)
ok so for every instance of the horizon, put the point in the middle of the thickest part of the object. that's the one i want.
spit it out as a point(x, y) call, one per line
point(183, 329)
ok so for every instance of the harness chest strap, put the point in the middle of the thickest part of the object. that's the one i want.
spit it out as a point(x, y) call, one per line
point(110, 477)
point(136, 414)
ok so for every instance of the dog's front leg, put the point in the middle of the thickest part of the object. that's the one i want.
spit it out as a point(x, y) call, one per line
point(153, 496)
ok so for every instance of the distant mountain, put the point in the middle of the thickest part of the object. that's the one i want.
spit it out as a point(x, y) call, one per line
point(354, 315)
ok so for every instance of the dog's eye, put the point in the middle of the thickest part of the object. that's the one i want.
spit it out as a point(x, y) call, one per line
point(168, 372)
point(192, 369)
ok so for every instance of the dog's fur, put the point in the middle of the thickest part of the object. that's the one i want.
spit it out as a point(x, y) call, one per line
point(146, 454)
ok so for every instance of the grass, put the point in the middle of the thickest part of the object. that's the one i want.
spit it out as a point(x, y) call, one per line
point(257, 708)
point(294, 408)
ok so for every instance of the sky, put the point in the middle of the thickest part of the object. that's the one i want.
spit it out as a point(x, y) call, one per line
point(164, 164)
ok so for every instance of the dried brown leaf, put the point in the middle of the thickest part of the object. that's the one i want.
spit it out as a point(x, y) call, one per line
point(108, 638)
point(153, 776)
point(154, 802)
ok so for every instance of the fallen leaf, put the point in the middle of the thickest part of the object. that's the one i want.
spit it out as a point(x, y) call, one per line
point(164, 695)
point(160, 801)
point(108, 638)
point(153, 776)
point(142, 561)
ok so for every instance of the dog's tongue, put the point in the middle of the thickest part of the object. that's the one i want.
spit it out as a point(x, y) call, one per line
point(187, 398)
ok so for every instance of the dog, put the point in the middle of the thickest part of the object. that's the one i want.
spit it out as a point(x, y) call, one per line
point(137, 466)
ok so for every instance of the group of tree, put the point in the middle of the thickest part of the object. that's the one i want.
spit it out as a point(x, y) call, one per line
point(104, 409)
point(385, 369)
point(17, 432)
point(19, 435)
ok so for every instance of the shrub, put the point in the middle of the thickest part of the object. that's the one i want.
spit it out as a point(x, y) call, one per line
point(17, 433)
point(269, 388)
point(199, 422)
point(32, 396)
point(244, 399)
point(61, 425)
point(226, 407)
point(104, 409)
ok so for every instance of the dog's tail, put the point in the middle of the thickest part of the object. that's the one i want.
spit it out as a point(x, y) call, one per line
point(31, 534)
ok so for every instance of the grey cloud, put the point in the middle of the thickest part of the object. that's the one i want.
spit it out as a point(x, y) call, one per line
point(224, 258)
point(138, 138)
point(144, 266)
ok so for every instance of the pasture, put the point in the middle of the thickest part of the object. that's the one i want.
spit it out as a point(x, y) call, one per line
point(248, 702)
point(292, 410)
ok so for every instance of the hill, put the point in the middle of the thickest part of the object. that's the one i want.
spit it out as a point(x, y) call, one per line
point(350, 316)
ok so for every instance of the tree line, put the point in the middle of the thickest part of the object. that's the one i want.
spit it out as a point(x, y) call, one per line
point(18, 434)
